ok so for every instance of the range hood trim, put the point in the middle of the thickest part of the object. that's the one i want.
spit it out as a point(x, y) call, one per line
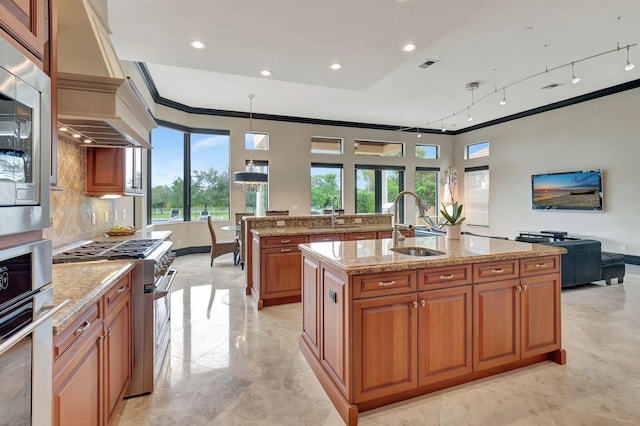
point(112, 100)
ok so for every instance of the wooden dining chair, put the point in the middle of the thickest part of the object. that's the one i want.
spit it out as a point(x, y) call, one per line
point(240, 236)
point(277, 212)
point(220, 247)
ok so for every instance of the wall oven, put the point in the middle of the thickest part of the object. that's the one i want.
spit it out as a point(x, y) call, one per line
point(26, 337)
point(25, 143)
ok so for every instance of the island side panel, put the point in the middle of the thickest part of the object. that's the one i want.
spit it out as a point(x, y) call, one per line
point(310, 303)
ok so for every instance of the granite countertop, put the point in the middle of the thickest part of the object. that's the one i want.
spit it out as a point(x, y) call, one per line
point(139, 235)
point(373, 256)
point(314, 230)
point(83, 283)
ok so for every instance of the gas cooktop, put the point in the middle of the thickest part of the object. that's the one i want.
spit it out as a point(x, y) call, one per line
point(108, 250)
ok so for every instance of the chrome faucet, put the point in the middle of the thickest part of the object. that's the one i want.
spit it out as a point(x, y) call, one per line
point(397, 235)
point(333, 211)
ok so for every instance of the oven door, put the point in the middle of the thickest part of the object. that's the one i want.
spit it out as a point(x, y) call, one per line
point(26, 361)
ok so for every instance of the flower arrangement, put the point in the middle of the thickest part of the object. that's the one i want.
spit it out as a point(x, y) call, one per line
point(454, 216)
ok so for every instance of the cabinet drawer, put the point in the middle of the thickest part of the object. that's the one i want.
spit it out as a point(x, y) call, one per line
point(289, 240)
point(495, 271)
point(383, 284)
point(74, 332)
point(360, 236)
point(116, 292)
point(448, 276)
point(539, 265)
point(389, 234)
point(325, 237)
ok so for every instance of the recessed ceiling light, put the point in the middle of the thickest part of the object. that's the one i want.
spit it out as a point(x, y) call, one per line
point(197, 44)
point(63, 129)
point(409, 47)
point(87, 141)
point(336, 66)
point(265, 73)
point(76, 135)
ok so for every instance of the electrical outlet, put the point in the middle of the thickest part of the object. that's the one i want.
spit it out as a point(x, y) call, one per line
point(294, 208)
point(358, 220)
point(124, 214)
point(279, 222)
point(106, 217)
point(115, 215)
point(93, 218)
point(623, 247)
point(340, 221)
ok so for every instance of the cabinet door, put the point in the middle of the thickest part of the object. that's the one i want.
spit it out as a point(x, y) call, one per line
point(496, 326)
point(117, 351)
point(24, 21)
point(334, 349)
point(540, 316)
point(384, 346)
point(105, 174)
point(281, 272)
point(78, 386)
point(310, 311)
point(444, 334)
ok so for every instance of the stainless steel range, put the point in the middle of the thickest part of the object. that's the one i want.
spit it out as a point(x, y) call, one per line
point(150, 300)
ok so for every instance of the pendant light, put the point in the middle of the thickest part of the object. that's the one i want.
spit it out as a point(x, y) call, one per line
point(250, 181)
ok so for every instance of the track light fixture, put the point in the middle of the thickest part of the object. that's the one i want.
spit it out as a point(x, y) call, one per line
point(469, 117)
point(629, 65)
point(444, 129)
point(503, 101)
point(575, 79)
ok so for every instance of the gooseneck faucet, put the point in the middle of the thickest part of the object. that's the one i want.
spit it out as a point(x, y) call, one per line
point(333, 211)
point(397, 236)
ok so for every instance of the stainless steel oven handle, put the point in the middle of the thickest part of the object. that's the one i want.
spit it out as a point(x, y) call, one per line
point(169, 277)
point(48, 313)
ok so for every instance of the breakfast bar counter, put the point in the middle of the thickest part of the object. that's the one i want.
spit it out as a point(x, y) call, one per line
point(382, 324)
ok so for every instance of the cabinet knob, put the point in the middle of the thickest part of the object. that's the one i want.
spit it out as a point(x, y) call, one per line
point(519, 288)
point(524, 288)
point(423, 302)
point(415, 304)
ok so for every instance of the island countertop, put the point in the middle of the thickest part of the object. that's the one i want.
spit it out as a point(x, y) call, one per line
point(373, 256)
point(83, 283)
point(314, 230)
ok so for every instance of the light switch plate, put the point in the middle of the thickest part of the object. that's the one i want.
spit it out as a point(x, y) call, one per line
point(358, 220)
point(279, 222)
point(340, 221)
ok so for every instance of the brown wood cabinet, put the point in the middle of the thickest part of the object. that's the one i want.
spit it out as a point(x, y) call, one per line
point(92, 361)
point(388, 234)
point(23, 21)
point(115, 171)
point(378, 338)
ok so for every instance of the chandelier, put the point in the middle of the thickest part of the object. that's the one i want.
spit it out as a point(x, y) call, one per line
point(250, 181)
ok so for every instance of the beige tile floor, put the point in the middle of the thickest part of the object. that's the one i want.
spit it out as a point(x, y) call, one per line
point(232, 365)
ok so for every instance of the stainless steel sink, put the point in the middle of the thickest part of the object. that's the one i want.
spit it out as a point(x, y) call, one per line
point(417, 251)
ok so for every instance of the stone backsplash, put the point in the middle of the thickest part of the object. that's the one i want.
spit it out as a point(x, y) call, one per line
point(71, 209)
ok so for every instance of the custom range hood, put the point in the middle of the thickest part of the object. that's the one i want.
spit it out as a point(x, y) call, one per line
point(97, 102)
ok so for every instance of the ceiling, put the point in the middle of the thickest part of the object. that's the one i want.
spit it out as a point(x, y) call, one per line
point(494, 43)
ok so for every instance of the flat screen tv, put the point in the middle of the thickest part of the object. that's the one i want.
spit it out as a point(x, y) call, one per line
point(579, 190)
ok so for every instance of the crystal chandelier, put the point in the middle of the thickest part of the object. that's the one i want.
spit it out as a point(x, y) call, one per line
point(250, 181)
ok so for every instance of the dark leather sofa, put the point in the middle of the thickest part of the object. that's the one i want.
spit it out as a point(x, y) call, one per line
point(581, 263)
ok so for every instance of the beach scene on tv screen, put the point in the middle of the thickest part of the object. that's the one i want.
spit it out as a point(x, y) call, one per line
point(575, 190)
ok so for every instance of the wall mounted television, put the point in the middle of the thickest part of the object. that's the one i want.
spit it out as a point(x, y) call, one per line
point(578, 190)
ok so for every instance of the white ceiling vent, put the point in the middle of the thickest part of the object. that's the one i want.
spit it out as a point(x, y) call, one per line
point(551, 86)
point(427, 63)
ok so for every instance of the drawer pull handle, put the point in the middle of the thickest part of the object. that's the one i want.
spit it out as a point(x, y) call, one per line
point(386, 283)
point(121, 290)
point(360, 237)
point(497, 271)
point(326, 239)
point(285, 241)
point(82, 329)
point(285, 250)
point(541, 265)
point(446, 277)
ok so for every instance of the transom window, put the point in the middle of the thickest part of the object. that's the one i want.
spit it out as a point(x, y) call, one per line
point(429, 152)
point(256, 141)
point(322, 145)
point(378, 148)
point(477, 150)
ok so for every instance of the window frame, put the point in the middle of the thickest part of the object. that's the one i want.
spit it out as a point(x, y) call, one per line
point(468, 156)
point(373, 141)
point(340, 141)
point(337, 166)
point(437, 148)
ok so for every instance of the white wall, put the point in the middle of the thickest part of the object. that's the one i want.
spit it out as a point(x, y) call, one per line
point(599, 134)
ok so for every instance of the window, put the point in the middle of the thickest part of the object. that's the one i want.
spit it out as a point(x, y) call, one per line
point(167, 175)
point(256, 141)
point(477, 150)
point(257, 202)
point(189, 175)
point(320, 145)
point(379, 148)
point(427, 151)
point(476, 195)
point(427, 190)
point(326, 182)
point(209, 176)
point(376, 188)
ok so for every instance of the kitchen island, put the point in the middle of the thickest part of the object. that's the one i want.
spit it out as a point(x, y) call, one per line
point(380, 326)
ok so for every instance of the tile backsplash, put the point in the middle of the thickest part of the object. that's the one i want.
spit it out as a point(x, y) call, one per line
point(71, 210)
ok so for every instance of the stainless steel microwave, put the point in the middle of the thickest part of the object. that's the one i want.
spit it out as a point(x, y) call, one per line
point(25, 143)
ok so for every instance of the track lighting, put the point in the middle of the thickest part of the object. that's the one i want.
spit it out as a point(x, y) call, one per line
point(629, 65)
point(575, 79)
point(444, 129)
point(469, 117)
point(503, 101)
point(418, 134)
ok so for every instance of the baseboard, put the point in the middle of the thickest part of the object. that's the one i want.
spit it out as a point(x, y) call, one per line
point(192, 250)
point(631, 259)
